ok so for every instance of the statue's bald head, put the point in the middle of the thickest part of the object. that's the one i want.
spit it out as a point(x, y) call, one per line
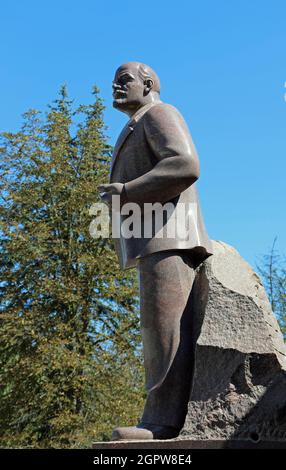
point(145, 73)
point(135, 84)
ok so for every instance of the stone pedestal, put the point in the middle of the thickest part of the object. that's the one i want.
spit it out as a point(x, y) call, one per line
point(185, 444)
point(239, 383)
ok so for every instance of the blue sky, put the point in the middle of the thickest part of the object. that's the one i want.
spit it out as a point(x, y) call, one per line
point(222, 63)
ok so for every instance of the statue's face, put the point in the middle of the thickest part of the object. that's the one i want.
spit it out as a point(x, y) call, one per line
point(128, 89)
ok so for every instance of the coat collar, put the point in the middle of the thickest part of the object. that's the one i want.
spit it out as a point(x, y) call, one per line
point(128, 128)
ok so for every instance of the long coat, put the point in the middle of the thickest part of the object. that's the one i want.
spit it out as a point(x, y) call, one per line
point(156, 160)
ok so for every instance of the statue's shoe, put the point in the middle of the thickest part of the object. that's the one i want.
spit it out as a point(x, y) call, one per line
point(144, 432)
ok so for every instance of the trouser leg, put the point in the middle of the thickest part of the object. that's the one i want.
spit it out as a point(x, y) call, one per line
point(166, 280)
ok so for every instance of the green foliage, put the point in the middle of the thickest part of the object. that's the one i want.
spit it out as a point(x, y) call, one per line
point(70, 348)
point(273, 273)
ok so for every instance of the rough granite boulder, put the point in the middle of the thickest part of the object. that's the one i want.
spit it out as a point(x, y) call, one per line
point(239, 383)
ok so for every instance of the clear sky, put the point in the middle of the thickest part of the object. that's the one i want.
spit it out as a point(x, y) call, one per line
point(221, 63)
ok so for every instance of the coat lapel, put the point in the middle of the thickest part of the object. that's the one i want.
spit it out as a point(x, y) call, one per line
point(120, 141)
point(126, 131)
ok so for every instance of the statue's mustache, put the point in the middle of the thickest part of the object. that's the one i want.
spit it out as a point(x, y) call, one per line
point(119, 93)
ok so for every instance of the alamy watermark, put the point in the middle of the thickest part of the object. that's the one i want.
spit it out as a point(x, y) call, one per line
point(150, 220)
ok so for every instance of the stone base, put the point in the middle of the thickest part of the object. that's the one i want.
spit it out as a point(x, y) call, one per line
point(190, 444)
point(239, 382)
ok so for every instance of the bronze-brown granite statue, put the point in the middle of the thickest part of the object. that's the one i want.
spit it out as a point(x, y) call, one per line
point(155, 161)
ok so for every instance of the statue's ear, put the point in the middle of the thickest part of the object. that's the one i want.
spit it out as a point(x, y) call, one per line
point(148, 85)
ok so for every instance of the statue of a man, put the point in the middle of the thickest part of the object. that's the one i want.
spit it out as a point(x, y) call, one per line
point(155, 161)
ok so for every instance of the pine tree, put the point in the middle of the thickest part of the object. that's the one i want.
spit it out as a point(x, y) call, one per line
point(273, 273)
point(70, 349)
